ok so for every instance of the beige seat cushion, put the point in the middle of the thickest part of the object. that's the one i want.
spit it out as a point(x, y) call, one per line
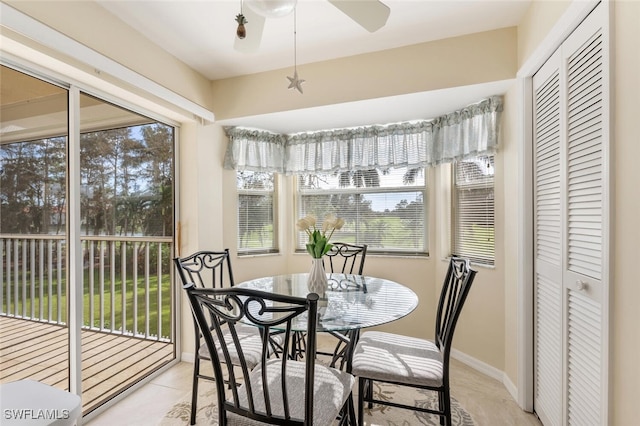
point(397, 358)
point(332, 387)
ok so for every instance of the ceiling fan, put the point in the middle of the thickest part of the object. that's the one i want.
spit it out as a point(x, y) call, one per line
point(369, 14)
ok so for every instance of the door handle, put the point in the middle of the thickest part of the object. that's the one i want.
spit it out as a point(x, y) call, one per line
point(581, 285)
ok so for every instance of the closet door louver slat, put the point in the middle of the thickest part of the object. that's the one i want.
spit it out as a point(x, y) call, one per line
point(584, 366)
point(547, 158)
point(548, 351)
point(584, 179)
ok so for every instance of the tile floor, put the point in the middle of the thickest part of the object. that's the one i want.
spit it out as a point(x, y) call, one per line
point(485, 399)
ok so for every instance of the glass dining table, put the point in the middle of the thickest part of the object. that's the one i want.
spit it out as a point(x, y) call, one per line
point(349, 304)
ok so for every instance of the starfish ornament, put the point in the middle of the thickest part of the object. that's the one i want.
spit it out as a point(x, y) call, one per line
point(295, 82)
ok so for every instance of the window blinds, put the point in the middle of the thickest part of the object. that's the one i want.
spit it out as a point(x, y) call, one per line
point(473, 206)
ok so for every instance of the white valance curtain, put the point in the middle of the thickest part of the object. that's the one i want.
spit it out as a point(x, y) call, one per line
point(465, 133)
point(255, 150)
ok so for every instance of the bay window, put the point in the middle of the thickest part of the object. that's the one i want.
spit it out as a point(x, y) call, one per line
point(374, 178)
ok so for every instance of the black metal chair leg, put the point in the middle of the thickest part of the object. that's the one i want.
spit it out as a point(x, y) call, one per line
point(447, 408)
point(362, 383)
point(194, 390)
point(352, 412)
point(369, 388)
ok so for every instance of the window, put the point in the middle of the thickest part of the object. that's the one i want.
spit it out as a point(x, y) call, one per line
point(383, 209)
point(473, 230)
point(256, 210)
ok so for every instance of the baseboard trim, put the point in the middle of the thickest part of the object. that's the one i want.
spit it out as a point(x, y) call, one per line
point(187, 357)
point(487, 370)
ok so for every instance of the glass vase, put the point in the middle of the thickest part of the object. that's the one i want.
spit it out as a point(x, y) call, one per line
point(317, 282)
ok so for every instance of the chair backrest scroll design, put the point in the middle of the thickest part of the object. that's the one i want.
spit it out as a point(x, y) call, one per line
point(206, 269)
point(347, 258)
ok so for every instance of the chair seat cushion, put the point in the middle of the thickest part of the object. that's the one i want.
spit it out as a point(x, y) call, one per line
point(332, 387)
point(251, 343)
point(396, 358)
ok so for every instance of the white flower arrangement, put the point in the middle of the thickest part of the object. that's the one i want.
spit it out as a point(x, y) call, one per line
point(318, 244)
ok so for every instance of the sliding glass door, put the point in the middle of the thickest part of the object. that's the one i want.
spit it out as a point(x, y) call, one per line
point(126, 211)
point(105, 192)
point(34, 287)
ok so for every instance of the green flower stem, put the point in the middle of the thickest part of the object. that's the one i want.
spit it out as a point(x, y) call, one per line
point(318, 244)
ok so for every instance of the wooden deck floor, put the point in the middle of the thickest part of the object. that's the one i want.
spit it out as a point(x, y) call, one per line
point(110, 363)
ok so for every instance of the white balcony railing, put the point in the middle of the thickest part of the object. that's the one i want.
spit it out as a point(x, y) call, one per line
point(126, 282)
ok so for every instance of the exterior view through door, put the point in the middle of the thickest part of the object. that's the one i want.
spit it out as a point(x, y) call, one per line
point(126, 187)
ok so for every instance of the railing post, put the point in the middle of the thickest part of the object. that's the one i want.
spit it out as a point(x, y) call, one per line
point(135, 289)
point(159, 293)
point(102, 250)
point(32, 262)
point(50, 280)
point(146, 289)
point(23, 244)
point(41, 254)
point(16, 276)
point(123, 285)
point(112, 258)
point(59, 287)
point(91, 282)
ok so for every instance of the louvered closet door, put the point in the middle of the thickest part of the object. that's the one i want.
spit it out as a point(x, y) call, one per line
point(586, 339)
point(571, 225)
point(548, 208)
point(548, 244)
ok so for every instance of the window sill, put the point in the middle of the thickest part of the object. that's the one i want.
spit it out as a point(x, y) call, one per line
point(473, 264)
point(259, 254)
point(382, 255)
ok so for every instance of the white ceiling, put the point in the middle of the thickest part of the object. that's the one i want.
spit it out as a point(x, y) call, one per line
point(202, 35)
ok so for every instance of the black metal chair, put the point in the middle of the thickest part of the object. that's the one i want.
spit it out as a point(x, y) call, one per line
point(414, 362)
point(212, 269)
point(275, 390)
point(345, 257)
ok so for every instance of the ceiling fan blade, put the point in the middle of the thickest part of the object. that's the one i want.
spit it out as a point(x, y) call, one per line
point(254, 27)
point(370, 14)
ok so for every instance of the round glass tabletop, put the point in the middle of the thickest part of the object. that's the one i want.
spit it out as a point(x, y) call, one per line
point(351, 301)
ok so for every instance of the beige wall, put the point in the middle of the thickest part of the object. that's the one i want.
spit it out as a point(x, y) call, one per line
point(488, 327)
point(536, 24)
point(509, 222)
point(427, 66)
point(625, 315)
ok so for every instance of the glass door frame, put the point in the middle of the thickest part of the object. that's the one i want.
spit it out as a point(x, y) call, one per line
point(74, 257)
point(75, 301)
